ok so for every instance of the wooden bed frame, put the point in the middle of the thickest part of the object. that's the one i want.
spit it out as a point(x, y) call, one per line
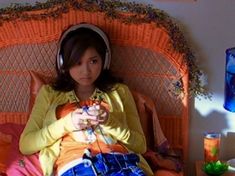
point(143, 55)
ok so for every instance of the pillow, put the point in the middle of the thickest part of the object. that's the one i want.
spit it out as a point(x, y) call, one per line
point(37, 80)
point(6, 136)
point(157, 144)
point(149, 121)
point(16, 163)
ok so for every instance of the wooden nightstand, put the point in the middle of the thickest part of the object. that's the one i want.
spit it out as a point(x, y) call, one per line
point(199, 171)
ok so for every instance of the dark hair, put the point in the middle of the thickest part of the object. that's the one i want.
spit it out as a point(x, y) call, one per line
point(72, 48)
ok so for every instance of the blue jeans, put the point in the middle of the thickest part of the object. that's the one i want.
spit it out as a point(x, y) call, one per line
point(107, 165)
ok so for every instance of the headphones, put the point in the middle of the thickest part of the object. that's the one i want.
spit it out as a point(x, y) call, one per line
point(59, 56)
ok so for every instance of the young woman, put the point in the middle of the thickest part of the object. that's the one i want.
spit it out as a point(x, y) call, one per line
point(86, 123)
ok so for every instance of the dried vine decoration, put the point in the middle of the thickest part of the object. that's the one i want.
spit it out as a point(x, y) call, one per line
point(115, 9)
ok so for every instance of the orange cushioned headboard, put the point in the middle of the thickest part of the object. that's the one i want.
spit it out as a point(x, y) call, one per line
point(142, 54)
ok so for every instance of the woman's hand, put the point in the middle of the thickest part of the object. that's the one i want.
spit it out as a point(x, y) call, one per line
point(100, 112)
point(89, 116)
point(82, 120)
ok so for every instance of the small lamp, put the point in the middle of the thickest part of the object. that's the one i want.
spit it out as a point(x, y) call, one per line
point(229, 89)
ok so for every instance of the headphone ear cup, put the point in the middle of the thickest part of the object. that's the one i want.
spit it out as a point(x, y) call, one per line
point(107, 60)
point(60, 63)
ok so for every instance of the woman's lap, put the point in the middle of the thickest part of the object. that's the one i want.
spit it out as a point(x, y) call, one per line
point(107, 164)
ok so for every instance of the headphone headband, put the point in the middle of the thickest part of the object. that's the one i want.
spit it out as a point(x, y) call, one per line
point(59, 57)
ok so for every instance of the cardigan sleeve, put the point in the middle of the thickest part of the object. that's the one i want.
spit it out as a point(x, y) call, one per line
point(124, 123)
point(42, 128)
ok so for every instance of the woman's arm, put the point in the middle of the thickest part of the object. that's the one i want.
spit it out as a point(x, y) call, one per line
point(42, 128)
point(125, 125)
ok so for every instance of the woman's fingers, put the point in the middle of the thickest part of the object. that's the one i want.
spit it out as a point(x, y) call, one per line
point(83, 117)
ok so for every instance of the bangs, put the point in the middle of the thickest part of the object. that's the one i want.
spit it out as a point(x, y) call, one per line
point(77, 42)
point(76, 53)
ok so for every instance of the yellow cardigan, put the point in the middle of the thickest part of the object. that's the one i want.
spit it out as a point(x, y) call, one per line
point(43, 132)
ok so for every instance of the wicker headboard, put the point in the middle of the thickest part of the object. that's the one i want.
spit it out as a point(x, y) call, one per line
point(143, 55)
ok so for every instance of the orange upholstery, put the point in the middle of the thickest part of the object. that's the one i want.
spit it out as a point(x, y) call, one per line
point(143, 55)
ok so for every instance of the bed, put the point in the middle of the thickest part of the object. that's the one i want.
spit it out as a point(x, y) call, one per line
point(146, 54)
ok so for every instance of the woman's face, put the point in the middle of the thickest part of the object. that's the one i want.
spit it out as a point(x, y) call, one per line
point(88, 69)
